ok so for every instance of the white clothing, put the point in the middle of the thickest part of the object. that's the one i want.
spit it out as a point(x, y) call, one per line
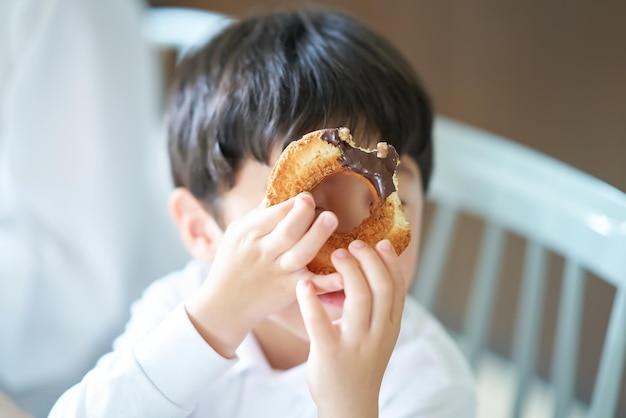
point(84, 185)
point(161, 367)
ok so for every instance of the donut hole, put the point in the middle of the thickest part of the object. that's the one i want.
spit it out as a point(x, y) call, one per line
point(348, 195)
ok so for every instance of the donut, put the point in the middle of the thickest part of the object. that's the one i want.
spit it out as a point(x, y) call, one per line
point(307, 162)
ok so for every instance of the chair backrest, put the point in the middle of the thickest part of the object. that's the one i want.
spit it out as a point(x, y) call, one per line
point(182, 28)
point(555, 208)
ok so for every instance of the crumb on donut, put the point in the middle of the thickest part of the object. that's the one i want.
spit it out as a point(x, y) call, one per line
point(344, 134)
point(382, 150)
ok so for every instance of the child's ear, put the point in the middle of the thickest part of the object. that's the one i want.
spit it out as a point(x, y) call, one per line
point(198, 229)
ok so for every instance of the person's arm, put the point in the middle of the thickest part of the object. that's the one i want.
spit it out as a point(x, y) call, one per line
point(159, 366)
point(164, 362)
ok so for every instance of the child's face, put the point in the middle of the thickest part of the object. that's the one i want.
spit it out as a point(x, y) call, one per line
point(347, 196)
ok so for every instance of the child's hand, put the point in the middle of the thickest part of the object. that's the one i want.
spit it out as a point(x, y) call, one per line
point(261, 258)
point(348, 359)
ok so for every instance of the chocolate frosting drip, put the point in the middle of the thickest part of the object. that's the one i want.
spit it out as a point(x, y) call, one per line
point(379, 171)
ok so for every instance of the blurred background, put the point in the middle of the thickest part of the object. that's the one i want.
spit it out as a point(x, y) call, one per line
point(547, 74)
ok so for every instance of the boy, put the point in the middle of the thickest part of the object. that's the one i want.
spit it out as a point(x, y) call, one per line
point(245, 326)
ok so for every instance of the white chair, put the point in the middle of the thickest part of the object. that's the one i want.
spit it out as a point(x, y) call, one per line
point(182, 28)
point(555, 208)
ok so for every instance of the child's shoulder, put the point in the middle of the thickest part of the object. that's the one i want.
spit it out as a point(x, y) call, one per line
point(158, 301)
point(173, 288)
point(427, 373)
point(418, 323)
point(426, 356)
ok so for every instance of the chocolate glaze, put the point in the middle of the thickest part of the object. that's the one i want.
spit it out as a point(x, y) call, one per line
point(379, 171)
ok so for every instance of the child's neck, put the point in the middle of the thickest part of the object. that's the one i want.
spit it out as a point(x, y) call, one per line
point(283, 349)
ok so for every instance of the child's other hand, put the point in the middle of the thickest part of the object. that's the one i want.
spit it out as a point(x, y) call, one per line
point(348, 359)
point(261, 258)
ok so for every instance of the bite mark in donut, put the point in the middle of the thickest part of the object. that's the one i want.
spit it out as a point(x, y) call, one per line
point(305, 163)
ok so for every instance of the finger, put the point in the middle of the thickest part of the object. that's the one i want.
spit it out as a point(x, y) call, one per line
point(263, 203)
point(306, 248)
point(327, 283)
point(316, 321)
point(261, 221)
point(292, 227)
point(358, 303)
point(379, 280)
point(390, 259)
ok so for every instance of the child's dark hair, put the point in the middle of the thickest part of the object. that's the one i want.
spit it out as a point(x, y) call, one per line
point(270, 79)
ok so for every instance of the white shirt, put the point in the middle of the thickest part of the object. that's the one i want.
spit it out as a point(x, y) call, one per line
point(84, 185)
point(161, 367)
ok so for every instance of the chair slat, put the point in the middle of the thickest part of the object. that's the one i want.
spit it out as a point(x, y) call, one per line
point(570, 213)
point(528, 320)
point(565, 351)
point(605, 393)
point(435, 253)
point(483, 290)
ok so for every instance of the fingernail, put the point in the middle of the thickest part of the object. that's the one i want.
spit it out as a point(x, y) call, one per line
point(340, 253)
point(304, 284)
point(328, 220)
point(385, 245)
point(305, 197)
point(357, 244)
